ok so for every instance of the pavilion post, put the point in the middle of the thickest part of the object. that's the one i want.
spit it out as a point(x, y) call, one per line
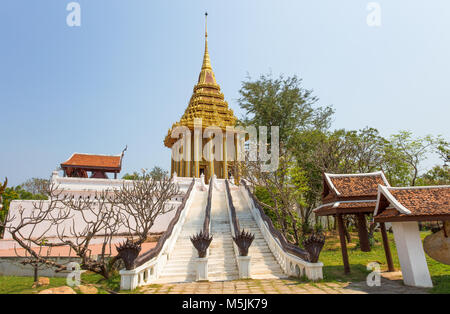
point(363, 233)
point(387, 249)
point(341, 227)
point(411, 255)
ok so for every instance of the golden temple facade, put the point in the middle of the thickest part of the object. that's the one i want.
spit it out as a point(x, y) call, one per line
point(208, 104)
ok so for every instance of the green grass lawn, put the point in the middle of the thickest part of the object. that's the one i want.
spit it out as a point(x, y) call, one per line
point(334, 270)
point(23, 285)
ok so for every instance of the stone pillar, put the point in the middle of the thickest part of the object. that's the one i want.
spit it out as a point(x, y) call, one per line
point(202, 269)
point(411, 255)
point(129, 279)
point(244, 267)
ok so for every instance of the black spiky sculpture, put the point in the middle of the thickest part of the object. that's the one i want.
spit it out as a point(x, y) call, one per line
point(128, 251)
point(201, 242)
point(243, 241)
point(313, 245)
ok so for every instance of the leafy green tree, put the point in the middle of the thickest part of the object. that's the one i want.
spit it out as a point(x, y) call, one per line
point(443, 149)
point(158, 173)
point(285, 103)
point(412, 151)
point(16, 193)
point(282, 102)
point(134, 176)
point(438, 175)
point(36, 185)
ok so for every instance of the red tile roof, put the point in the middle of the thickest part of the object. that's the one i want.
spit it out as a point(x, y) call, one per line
point(355, 185)
point(413, 203)
point(93, 161)
point(350, 193)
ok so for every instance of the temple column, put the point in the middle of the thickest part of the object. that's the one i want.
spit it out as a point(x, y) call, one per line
point(187, 157)
point(197, 146)
point(182, 162)
point(225, 158)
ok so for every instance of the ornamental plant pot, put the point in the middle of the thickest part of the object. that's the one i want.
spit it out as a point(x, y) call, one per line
point(243, 241)
point(128, 251)
point(201, 242)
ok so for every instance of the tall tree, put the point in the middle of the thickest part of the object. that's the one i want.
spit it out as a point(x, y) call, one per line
point(285, 103)
point(36, 185)
point(282, 102)
point(412, 151)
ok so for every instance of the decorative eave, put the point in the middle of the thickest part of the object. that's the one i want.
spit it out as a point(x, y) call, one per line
point(346, 207)
point(420, 203)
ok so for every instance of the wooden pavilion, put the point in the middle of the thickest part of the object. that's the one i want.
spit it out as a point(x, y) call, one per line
point(353, 194)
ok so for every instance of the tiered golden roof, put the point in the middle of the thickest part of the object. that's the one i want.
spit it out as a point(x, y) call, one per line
point(207, 102)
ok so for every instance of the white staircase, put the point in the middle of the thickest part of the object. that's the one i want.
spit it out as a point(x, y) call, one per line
point(181, 265)
point(222, 265)
point(263, 264)
point(178, 262)
point(222, 259)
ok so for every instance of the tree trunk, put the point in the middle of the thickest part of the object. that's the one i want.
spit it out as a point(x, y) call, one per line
point(36, 273)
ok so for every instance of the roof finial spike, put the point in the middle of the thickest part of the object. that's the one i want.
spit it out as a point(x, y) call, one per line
point(206, 24)
point(206, 61)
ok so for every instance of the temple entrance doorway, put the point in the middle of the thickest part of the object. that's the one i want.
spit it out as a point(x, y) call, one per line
point(204, 172)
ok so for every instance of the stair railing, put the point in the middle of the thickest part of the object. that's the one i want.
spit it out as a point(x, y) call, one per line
point(202, 240)
point(150, 263)
point(294, 260)
point(242, 240)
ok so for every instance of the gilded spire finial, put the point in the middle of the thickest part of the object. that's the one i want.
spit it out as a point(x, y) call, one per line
point(206, 61)
point(206, 24)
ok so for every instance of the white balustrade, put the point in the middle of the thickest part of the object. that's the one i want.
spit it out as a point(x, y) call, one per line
point(292, 265)
point(150, 270)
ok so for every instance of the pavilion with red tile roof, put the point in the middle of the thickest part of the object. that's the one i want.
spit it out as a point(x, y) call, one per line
point(404, 207)
point(78, 165)
point(420, 203)
point(353, 194)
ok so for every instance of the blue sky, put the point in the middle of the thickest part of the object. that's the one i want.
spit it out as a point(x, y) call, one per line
point(127, 73)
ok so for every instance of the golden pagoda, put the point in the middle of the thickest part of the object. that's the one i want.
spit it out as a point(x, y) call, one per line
point(208, 104)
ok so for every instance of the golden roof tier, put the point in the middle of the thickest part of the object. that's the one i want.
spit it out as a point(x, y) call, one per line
point(207, 102)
